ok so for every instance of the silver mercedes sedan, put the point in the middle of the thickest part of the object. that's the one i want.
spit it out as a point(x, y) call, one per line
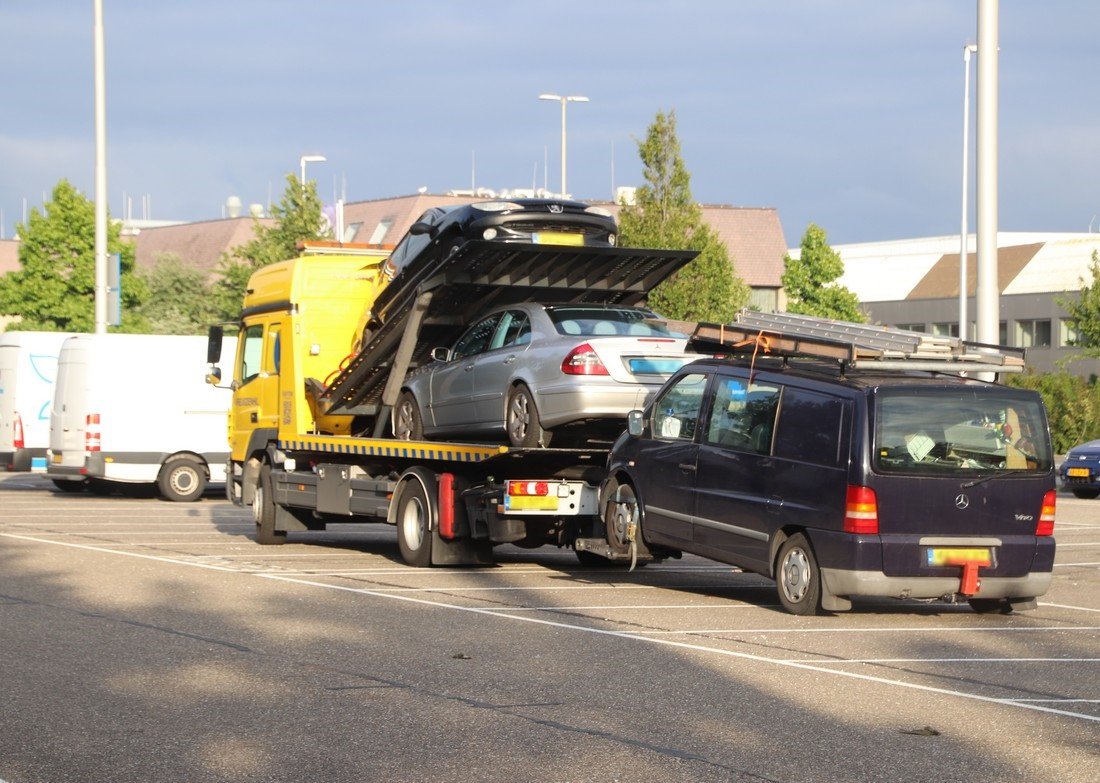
point(527, 370)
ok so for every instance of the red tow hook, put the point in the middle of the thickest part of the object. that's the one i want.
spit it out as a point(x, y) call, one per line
point(970, 583)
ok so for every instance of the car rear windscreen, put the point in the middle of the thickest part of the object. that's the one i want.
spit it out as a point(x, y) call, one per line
point(608, 322)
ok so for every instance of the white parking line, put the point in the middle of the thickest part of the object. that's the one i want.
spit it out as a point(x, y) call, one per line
point(937, 629)
point(629, 635)
point(941, 660)
point(1076, 565)
point(604, 607)
point(1087, 543)
point(1067, 606)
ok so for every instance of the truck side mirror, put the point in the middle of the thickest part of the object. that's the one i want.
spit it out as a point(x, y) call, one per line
point(214, 377)
point(214, 344)
point(635, 424)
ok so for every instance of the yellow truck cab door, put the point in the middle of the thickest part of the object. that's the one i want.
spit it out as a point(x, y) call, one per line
point(256, 384)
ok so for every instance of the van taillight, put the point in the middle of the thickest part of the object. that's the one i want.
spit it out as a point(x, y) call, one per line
point(17, 432)
point(91, 432)
point(583, 360)
point(1045, 527)
point(861, 511)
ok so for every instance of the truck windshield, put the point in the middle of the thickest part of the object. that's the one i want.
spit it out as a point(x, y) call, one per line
point(964, 432)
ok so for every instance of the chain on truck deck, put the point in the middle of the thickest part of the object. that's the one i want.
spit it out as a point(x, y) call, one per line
point(479, 275)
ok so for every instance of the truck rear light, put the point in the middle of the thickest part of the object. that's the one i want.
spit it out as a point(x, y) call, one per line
point(583, 360)
point(17, 432)
point(861, 511)
point(528, 488)
point(91, 433)
point(1045, 526)
point(447, 506)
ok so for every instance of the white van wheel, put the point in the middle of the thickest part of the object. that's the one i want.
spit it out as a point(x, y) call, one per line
point(797, 577)
point(182, 479)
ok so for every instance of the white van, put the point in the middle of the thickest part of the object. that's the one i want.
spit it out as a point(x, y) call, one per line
point(28, 367)
point(135, 409)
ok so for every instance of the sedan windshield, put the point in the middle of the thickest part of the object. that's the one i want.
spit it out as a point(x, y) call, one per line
point(940, 432)
point(608, 322)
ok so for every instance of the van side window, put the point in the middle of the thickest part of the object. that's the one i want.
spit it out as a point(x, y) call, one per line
point(676, 413)
point(251, 352)
point(743, 415)
point(809, 428)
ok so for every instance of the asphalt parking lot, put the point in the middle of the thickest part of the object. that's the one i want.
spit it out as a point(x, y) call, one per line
point(149, 640)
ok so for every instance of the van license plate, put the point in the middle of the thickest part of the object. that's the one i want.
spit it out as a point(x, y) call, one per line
point(944, 556)
point(1084, 472)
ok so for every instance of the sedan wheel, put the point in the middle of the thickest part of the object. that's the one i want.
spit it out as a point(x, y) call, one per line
point(523, 424)
point(407, 424)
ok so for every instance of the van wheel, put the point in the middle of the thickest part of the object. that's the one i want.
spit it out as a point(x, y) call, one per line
point(797, 577)
point(100, 487)
point(182, 480)
point(70, 486)
point(522, 419)
point(619, 515)
point(414, 535)
point(1086, 494)
point(407, 422)
point(263, 511)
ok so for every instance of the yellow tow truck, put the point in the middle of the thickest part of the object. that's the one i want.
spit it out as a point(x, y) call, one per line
point(313, 391)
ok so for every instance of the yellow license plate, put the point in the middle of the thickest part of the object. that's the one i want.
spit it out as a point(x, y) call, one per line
point(57, 459)
point(1078, 472)
point(532, 503)
point(958, 556)
point(557, 238)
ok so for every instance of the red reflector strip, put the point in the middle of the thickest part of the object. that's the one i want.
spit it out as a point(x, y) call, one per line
point(447, 506)
point(1045, 526)
point(861, 511)
point(91, 433)
point(17, 432)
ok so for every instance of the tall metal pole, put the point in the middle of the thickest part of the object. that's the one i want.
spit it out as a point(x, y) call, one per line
point(100, 172)
point(988, 294)
point(963, 259)
point(563, 190)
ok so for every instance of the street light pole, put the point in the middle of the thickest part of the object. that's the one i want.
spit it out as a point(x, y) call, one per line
point(968, 50)
point(309, 159)
point(100, 100)
point(546, 96)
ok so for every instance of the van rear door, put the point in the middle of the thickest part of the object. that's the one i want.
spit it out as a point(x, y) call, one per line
point(68, 417)
point(960, 468)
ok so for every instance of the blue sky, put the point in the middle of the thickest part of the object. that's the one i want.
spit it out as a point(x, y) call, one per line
point(846, 113)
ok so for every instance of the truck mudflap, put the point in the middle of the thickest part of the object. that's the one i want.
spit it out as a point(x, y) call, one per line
point(432, 307)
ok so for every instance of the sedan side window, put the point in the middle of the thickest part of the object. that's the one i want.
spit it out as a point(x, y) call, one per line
point(514, 329)
point(676, 413)
point(476, 339)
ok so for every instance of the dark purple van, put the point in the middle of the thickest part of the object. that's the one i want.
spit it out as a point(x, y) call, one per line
point(843, 484)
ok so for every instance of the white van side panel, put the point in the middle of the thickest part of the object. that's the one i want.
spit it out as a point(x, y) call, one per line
point(151, 399)
point(28, 370)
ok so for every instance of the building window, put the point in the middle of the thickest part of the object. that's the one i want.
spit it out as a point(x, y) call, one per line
point(1067, 334)
point(910, 327)
point(350, 232)
point(1033, 333)
point(1002, 333)
point(945, 329)
point(380, 231)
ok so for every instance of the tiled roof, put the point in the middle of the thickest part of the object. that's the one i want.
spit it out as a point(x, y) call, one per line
point(198, 244)
point(942, 280)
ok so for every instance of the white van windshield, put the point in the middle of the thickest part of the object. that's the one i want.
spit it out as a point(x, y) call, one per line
point(942, 432)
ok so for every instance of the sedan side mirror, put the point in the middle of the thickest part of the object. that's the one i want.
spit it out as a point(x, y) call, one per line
point(441, 354)
point(635, 423)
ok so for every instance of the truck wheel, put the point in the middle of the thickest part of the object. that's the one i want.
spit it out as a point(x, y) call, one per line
point(263, 511)
point(522, 419)
point(414, 536)
point(182, 479)
point(69, 486)
point(797, 577)
point(407, 423)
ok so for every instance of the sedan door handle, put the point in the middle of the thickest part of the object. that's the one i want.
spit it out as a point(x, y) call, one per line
point(510, 359)
point(688, 466)
point(467, 368)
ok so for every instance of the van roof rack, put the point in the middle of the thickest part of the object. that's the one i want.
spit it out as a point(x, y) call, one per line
point(854, 346)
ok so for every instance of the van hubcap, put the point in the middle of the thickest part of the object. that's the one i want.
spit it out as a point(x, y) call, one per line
point(796, 575)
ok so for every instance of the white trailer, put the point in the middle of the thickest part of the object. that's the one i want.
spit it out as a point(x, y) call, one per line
point(28, 367)
point(134, 409)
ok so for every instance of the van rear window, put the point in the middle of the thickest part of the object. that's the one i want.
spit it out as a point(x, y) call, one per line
point(948, 432)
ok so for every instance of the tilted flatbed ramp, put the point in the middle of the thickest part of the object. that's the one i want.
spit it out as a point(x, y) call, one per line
point(432, 309)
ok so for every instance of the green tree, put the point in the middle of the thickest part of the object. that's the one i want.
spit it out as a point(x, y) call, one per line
point(180, 298)
point(297, 218)
point(54, 288)
point(1073, 405)
point(1084, 311)
point(665, 216)
point(810, 281)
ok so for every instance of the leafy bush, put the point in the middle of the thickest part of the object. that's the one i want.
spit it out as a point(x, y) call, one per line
point(1073, 405)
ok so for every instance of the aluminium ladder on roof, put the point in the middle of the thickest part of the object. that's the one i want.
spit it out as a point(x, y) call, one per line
point(857, 346)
